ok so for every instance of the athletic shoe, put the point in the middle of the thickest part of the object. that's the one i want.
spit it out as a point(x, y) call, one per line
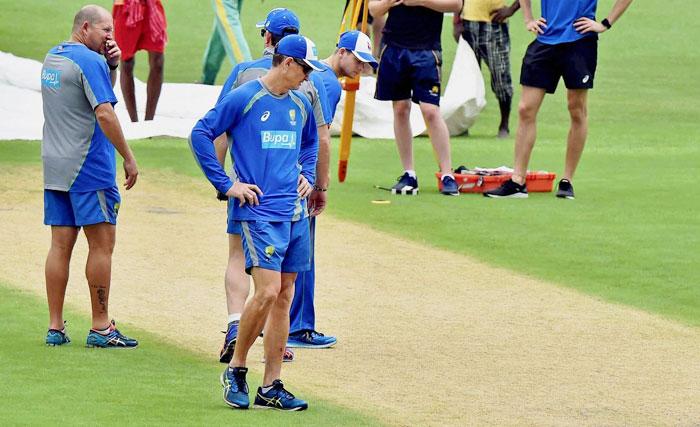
point(235, 387)
point(226, 352)
point(449, 186)
point(310, 339)
point(566, 190)
point(114, 339)
point(405, 184)
point(55, 337)
point(510, 189)
point(278, 398)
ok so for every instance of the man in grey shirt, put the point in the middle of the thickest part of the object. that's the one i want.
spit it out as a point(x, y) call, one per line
point(81, 132)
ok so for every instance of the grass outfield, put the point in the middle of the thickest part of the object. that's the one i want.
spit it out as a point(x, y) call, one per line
point(72, 384)
point(630, 237)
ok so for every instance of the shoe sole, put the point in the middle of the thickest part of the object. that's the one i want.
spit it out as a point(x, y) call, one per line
point(56, 345)
point(449, 194)
point(111, 347)
point(301, 408)
point(562, 196)
point(317, 346)
point(512, 196)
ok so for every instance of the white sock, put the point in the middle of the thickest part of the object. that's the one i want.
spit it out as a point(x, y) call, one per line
point(235, 317)
point(448, 174)
point(266, 388)
point(411, 173)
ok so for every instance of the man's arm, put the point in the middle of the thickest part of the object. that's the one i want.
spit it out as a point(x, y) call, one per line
point(536, 26)
point(113, 55)
point(438, 5)
point(381, 7)
point(109, 123)
point(317, 199)
point(500, 15)
point(586, 25)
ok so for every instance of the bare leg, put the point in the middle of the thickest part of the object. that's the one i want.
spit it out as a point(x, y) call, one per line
point(156, 62)
point(530, 103)
point(56, 271)
point(267, 289)
point(126, 80)
point(277, 329)
point(439, 135)
point(402, 132)
point(237, 282)
point(577, 99)
point(98, 270)
point(377, 28)
point(504, 128)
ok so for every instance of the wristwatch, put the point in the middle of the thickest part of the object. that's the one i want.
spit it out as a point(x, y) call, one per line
point(112, 67)
point(606, 23)
point(317, 188)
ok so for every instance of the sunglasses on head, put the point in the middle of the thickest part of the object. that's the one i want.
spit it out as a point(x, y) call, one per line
point(285, 31)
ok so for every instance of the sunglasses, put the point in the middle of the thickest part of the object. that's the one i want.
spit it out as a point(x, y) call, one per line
point(304, 66)
point(285, 31)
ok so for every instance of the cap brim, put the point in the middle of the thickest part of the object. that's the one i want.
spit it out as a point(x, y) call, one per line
point(316, 65)
point(366, 57)
point(260, 24)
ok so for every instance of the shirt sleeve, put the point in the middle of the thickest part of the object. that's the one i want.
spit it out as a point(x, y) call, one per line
point(97, 85)
point(229, 83)
point(308, 150)
point(326, 115)
point(218, 120)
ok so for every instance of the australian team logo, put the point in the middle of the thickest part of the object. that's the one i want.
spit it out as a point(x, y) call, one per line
point(293, 117)
point(269, 251)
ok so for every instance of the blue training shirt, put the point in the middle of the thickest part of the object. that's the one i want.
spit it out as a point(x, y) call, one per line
point(273, 139)
point(560, 16)
point(332, 86)
point(77, 155)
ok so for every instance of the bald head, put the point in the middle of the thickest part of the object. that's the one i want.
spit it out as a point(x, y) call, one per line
point(91, 14)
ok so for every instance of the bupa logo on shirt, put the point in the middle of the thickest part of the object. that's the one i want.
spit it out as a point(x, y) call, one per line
point(51, 78)
point(278, 139)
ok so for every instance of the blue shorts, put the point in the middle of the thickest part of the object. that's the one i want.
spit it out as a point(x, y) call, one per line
point(279, 246)
point(408, 73)
point(233, 226)
point(76, 209)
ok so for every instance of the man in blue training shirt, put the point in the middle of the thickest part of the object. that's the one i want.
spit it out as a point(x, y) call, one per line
point(566, 47)
point(274, 161)
point(278, 23)
point(81, 132)
point(354, 50)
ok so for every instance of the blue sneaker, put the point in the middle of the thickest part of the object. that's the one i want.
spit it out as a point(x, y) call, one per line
point(278, 398)
point(114, 339)
point(405, 184)
point(310, 339)
point(449, 186)
point(235, 387)
point(226, 352)
point(55, 337)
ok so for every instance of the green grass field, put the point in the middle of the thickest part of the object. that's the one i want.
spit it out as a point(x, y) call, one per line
point(631, 237)
point(69, 385)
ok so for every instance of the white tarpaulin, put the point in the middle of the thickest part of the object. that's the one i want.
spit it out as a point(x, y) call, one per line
point(181, 104)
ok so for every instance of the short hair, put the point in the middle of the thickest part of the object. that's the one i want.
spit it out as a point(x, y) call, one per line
point(277, 59)
point(90, 13)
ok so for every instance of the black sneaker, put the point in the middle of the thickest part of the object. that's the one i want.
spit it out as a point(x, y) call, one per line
point(278, 398)
point(405, 184)
point(449, 186)
point(509, 189)
point(566, 190)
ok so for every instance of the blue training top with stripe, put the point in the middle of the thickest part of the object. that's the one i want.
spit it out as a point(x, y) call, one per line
point(333, 88)
point(273, 139)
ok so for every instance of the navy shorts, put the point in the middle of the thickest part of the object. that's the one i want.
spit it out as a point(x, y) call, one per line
point(283, 246)
point(575, 61)
point(77, 209)
point(408, 73)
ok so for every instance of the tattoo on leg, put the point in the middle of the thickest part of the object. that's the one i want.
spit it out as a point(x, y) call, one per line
point(102, 298)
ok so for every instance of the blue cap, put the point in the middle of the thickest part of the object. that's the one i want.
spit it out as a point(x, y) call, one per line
point(299, 47)
point(359, 44)
point(280, 22)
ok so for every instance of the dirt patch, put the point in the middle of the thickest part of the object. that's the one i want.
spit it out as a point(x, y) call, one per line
point(425, 336)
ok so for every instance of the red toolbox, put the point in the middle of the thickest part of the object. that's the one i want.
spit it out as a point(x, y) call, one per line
point(539, 181)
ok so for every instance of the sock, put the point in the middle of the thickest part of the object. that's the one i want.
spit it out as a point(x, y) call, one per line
point(448, 174)
point(411, 173)
point(235, 317)
point(104, 331)
point(266, 388)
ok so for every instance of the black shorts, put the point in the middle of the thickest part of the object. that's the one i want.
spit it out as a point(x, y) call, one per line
point(409, 74)
point(575, 61)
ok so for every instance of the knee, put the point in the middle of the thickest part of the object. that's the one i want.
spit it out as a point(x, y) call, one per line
point(157, 64)
point(431, 114)
point(285, 297)
point(526, 112)
point(128, 67)
point(267, 296)
point(578, 112)
point(402, 111)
